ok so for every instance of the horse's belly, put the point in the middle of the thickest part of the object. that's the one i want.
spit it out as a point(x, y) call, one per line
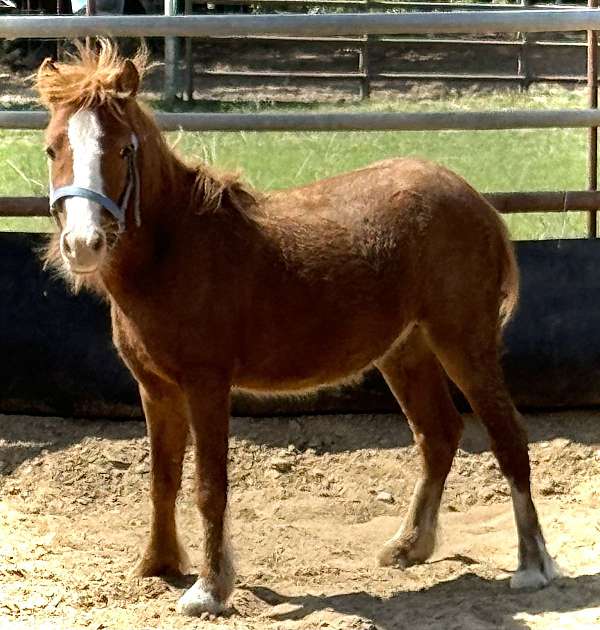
point(289, 366)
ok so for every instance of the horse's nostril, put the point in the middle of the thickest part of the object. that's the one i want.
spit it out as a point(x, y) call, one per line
point(96, 241)
point(66, 247)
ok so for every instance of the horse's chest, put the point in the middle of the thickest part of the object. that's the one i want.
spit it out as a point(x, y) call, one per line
point(145, 345)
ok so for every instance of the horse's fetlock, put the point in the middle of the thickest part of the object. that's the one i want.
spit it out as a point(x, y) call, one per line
point(159, 559)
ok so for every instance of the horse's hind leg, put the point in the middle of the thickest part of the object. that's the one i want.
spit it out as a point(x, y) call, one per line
point(470, 357)
point(419, 383)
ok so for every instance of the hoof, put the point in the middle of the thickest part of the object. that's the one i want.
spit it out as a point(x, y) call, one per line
point(395, 556)
point(532, 579)
point(152, 566)
point(406, 551)
point(197, 600)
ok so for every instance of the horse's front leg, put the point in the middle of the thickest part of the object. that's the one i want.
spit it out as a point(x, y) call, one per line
point(208, 401)
point(168, 426)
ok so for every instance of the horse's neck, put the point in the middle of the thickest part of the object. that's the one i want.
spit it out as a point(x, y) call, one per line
point(165, 189)
point(164, 179)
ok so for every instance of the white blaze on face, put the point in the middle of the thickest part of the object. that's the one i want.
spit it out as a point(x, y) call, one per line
point(84, 133)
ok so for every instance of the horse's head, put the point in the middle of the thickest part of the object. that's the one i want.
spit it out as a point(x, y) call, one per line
point(92, 151)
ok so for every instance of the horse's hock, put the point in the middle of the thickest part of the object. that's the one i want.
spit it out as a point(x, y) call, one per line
point(60, 359)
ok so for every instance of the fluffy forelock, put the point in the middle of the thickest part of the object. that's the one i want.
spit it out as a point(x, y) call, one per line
point(89, 77)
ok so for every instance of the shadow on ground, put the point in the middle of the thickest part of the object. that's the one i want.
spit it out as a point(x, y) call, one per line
point(25, 437)
point(467, 601)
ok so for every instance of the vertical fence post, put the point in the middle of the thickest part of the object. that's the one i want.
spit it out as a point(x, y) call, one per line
point(523, 68)
point(90, 9)
point(170, 87)
point(592, 81)
point(363, 62)
point(58, 41)
point(189, 64)
point(363, 68)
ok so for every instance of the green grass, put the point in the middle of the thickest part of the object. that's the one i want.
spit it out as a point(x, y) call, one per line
point(491, 160)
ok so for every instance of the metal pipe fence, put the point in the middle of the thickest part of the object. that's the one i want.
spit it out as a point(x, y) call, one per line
point(374, 42)
point(330, 25)
point(333, 26)
point(504, 202)
point(359, 121)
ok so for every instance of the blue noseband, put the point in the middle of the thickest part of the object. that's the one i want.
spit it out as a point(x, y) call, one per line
point(107, 203)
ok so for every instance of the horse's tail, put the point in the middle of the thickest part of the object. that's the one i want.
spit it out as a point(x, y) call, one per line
point(509, 283)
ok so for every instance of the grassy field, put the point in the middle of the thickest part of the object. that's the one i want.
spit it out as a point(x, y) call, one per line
point(492, 161)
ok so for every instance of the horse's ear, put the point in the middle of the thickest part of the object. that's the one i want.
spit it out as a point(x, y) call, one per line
point(47, 68)
point(129, 80)
point(45, 76)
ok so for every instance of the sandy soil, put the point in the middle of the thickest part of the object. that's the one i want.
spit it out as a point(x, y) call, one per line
point(306, 524)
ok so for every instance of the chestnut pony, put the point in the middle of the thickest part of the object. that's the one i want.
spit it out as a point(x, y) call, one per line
point(212, 285)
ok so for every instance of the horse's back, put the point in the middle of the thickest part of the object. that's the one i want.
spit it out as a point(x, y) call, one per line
point(401, 186)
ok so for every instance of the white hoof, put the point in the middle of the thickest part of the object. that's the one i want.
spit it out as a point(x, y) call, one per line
point(197, 600)
point(534, 579)
point(529, 579)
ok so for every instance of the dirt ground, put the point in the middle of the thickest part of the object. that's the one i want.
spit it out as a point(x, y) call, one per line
point(306, 521)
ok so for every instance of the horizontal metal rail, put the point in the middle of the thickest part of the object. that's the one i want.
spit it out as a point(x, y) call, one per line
point(475, 6)
point(374, 76)
point(505, 202)
point(449, 76)
point(439, 41)
point(403, 39)
point(532, 21)
point(397, 4)
point(361, 121)
point(286, 74)
point(24, 207)
point(545, 201)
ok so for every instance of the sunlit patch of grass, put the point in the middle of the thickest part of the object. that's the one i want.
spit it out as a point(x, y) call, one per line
point(22, 163)
point(26, 224)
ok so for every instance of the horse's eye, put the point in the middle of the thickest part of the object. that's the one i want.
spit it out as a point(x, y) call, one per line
point(126, 151)
point(50, 153)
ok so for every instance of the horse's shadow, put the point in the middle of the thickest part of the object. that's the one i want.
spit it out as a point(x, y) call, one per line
point(468, 601)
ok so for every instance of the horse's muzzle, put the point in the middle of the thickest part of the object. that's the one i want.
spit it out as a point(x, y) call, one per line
point(83, 253)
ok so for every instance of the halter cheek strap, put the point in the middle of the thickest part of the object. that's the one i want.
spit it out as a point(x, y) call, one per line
point(118, 211)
